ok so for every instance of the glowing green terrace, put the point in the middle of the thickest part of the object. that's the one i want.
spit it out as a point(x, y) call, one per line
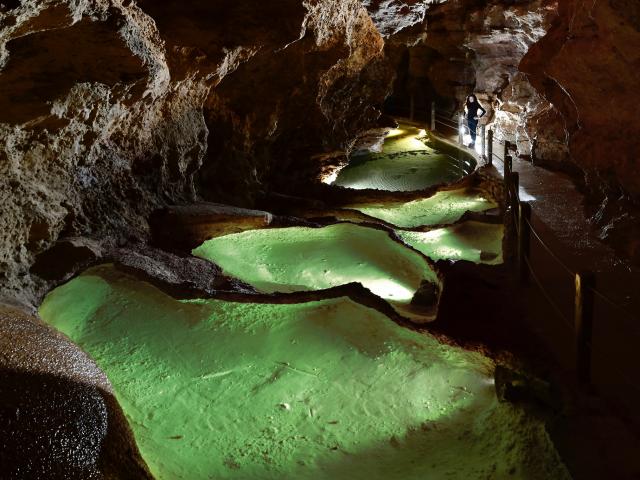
point(472, 241)
point(444, 207)
point(405, 164)
point(323, 390)
point(303, 259)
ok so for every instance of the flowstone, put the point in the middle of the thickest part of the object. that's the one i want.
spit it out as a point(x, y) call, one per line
point(445, 207)
point(326, 389)
point(472, 241)
point(301, 259)
point(405, 164)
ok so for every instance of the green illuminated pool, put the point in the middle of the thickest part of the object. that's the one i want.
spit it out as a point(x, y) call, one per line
point(302, 259)
point(444, 207)
point(405, 164)
point(405, 138)
point(320, 390)
point(472, 241)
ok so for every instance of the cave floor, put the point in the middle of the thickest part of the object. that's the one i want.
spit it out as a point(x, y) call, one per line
point(443, 208)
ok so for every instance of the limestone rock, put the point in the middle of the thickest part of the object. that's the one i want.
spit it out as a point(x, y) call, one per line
point(58, 417)
point(393, 16)
point(188, 226)
point(588, 68)
point(67, 257)
point(179, 276)
point(111, 110)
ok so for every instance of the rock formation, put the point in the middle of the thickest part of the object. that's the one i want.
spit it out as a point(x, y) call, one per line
point(118, 113)
point(560, 79)
point(111, 109)
point(588, 68)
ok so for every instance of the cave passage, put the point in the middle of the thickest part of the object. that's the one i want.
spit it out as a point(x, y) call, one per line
point(405, 164)
point(322, 389)
point(327, 389)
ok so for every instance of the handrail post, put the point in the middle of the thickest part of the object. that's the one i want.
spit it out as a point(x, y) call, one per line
point(584, 311)
point(507, 147)
point(412, 106)
point(484, 140)
point(515, 189)
point(524, 240)
point(514, 185)
point(460, 129)
point(508, 168)
point(490, 148)
point(433, 116)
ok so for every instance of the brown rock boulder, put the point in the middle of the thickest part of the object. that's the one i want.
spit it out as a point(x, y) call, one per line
point(58, 417)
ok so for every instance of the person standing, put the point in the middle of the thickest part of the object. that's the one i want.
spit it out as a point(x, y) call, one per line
point(472, 109)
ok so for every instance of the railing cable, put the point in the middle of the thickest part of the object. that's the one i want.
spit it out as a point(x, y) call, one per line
point(635, 325)
point(555, 306)
point(628, 381)
point(549, 251)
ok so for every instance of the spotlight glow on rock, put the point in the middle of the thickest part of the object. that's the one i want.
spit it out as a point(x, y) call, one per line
point(326, 389)
point(299, 259)
point(472, 241)
point(442, 208)
point(405, 164)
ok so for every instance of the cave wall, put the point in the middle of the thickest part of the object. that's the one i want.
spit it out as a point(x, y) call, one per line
point(113, 108)
point(560, 79)
point(588, 69)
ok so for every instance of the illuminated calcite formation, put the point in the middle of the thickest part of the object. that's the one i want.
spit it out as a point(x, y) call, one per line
point(405, 164)
point(300, 259)
point(111, 109)
point(444, 207)
point(327, 389)
point(472, 241)
point(401, 172)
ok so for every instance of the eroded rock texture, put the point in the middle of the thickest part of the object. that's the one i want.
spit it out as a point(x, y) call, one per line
point(393, 16)
point(111, 109)
point(588, 68)
point(560, 78)
point(58, 415)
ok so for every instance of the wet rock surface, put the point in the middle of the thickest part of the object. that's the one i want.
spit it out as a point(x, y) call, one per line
point(185, 227)
point(58, 416)
point(180, 276)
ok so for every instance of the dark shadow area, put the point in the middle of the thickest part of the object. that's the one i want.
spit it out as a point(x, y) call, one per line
point(44, 66)
point(54, 428)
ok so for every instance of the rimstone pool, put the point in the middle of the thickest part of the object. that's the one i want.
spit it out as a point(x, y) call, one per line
point(326, 389)
point(321, 389)
point(404, 164)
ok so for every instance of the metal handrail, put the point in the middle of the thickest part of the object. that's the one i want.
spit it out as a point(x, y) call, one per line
point(443, 119)
point(549, 251)
point(448, 124)
point(566, 268)
point(572, 274)
point(620, 308)
point(547, 296)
